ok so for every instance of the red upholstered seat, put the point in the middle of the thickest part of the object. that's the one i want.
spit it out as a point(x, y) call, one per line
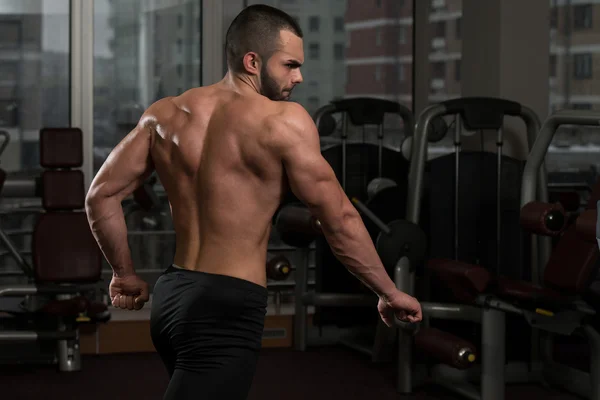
point(65, 250)
point(465, 280)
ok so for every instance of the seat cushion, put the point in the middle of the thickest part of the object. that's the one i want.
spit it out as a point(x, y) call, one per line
point(529, 295)
point(63, 190)
point(61, 148)
point(466, 281)
point(64, 249)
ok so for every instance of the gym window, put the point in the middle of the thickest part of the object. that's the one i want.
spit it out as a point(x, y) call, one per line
point(401, 73)
point(554, 17)
point(9, 73)
point(438, 70)
point(378, 37)
point(581, 106)
point(402, 35)
point(10, 34)
point(377, 73)
point(314, 24)
point(440, 29)
point(552, 66)
point(582, 66)
point(582, 16)
point(314, 51)
point(457, 70)
point(338, 24)
point(338, 51)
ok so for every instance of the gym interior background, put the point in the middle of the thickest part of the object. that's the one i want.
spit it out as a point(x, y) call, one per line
point(97, 64)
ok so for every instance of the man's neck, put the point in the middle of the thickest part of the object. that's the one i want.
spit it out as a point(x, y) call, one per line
point(241, 83)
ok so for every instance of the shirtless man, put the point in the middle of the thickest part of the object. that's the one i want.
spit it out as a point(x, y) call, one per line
point(226, 155)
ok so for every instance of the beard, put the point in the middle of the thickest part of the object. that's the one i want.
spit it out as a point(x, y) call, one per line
point(269, 87)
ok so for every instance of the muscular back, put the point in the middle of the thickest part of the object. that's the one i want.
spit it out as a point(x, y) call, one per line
point(214, 152)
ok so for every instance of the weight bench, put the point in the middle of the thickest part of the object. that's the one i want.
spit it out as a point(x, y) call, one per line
point(65, 256)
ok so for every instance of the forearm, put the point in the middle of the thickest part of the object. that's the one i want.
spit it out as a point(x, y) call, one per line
point(351, 243)
point(107, 222)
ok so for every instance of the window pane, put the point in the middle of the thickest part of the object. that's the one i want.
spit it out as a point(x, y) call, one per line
point(143, 51)
point(446, 50)
point(314, 24)
point(574, 84)
point(34, 75)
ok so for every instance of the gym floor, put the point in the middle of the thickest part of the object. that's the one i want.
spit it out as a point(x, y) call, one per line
point(321, 373)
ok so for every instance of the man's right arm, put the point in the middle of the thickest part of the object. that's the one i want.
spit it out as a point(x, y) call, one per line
point(313, 181)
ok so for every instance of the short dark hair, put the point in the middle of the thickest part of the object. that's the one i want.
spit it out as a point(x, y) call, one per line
point(256, 28)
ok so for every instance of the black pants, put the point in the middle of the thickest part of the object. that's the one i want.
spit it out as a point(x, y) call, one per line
point(207, 329)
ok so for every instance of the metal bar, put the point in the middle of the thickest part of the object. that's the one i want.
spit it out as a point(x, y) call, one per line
point(338, 299)
point(487, 301)
point(12, 273)
point(22, 252)
point(380, 150)
point(371, 215)
point(542, 142)
point(18, 290)
point(20, 188)
point(451, 311)
point(300, 317)
point(499, 144)
point(5, 142)
point(404, 382)
point(22, 263)
point(583, 186)
point(493, 354)
point(594, 340)
point(26, 290)
point(18, 232)
point(30, 336)
point(417, 161)
point(457, 146)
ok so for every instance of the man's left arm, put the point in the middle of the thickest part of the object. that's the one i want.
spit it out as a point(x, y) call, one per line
point(125, 169)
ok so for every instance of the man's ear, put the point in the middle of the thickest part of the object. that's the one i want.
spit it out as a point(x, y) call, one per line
point(251, 63)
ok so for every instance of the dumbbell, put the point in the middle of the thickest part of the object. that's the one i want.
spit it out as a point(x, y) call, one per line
point(278, 268)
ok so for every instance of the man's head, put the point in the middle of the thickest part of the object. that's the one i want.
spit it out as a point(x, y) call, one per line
point(265, 42)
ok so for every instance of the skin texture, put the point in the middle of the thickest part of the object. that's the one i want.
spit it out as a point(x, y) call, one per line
point(226, 155)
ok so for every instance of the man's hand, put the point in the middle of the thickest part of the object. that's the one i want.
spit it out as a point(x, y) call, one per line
point(128, 292)
point(406, 308)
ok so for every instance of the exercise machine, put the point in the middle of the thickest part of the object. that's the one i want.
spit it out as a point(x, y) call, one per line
point(66, 262)
point(550, 302)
